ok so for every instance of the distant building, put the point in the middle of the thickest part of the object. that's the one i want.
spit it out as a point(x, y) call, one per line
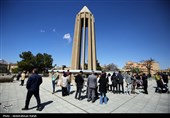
point(166, 70)
point(6, 67)
point(12, 66)
point(130, 64)
point(3, 66)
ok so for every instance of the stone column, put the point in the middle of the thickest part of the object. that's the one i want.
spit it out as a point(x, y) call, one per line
point(84, 41)
point(84, 19)
point(76, 44)
point(89, 43)
point(93, 45)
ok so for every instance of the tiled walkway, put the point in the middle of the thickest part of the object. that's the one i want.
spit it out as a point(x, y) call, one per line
point(12, 100)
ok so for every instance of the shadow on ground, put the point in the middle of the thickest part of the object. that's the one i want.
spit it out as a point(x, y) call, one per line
point(42, 105)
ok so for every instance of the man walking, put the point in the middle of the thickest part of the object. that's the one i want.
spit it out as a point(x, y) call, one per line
point(33, 84)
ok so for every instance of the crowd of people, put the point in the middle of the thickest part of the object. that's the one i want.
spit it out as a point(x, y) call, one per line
point(98, 84)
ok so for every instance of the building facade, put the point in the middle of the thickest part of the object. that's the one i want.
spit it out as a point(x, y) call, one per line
point(3, 66)
point(129, 65)
point(6, 67)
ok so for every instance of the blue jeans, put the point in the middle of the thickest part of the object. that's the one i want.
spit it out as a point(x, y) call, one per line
point(68, 88)
point(53, 85)
point(103, 98)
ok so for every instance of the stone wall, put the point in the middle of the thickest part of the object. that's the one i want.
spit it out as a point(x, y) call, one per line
point(7, 78)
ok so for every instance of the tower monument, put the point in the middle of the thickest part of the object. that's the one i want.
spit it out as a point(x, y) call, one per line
point(84, 26)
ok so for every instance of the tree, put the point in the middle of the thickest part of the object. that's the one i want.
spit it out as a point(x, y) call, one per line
point(148, 64)
point(63, 66)
point(110, 67)
point(85, 66)
point(40, 61)
point(28, 61)
point(135, 70)
point(47, 60)
point(15, 70)
point(98, 65)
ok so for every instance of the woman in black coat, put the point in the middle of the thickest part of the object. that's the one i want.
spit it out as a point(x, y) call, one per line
point(114, 82)
point(103, 88)
point(145, 83)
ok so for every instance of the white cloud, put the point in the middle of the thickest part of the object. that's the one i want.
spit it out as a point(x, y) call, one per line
point(42, 31)
point(67, 37)
point(54, 30)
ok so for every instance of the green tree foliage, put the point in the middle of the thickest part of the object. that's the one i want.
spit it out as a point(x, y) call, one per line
point(98, 65)
point(136, 70)
point(47, 60)
point(63, 66)
point(29, 61)
point(85, 66)
point(39, 62)
point(15, 70)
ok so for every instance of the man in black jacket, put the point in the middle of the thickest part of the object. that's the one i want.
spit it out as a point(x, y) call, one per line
point(33, 84)
point(120, 78)
point(79, 83)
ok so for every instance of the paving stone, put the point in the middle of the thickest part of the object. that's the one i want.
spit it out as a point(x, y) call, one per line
point(12, 93)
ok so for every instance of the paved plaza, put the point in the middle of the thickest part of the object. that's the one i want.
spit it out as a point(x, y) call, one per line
point(12, 100)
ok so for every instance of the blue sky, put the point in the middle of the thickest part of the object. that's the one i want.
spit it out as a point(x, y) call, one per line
point(126, 30)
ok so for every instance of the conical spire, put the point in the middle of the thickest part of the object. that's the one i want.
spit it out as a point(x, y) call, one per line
point(85, 9)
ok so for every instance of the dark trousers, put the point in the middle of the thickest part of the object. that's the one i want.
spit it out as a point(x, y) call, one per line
point(18, 77)
point(53, 84)
point(22, 82)
point(145, 89)
point(121, 84)
point(64, 91)
point(114, 85)
point(79, 90)
point(159, 85)
point(96, 93)
point(68, 88)
point(115, 89)
point(29, 95)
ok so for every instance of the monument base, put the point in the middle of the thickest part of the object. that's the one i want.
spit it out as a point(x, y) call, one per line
point(77, 71)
